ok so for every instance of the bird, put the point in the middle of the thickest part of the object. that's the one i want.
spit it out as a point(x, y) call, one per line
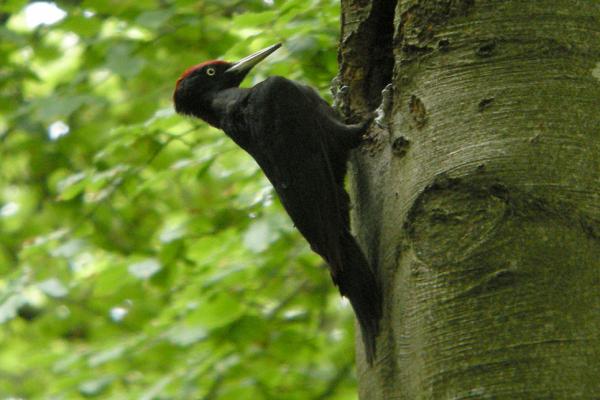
point(303, 147)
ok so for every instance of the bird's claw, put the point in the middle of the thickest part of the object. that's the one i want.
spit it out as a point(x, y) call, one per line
point(339, 92)
point(381, 113)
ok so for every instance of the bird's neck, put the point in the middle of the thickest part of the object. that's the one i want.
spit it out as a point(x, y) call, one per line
point(222, 104)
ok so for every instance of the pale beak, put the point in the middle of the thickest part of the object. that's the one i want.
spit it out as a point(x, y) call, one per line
point(245, 64)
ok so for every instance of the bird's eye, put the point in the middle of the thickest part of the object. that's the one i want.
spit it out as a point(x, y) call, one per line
point(210, 71)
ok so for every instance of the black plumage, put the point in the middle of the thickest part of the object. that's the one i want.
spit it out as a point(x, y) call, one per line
point(303, 148)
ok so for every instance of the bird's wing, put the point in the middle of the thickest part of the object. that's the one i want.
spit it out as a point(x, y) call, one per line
point(292, 145)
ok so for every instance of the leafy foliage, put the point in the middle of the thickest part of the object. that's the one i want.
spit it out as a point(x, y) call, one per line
point(142, 255)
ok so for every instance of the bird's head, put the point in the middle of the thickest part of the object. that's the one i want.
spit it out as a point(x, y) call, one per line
point(198, 86)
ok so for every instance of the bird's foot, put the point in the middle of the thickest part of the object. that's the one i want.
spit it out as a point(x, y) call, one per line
point(340, 93)
point(381, 113)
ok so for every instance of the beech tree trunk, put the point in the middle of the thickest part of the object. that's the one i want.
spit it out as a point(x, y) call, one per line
point(479, 205)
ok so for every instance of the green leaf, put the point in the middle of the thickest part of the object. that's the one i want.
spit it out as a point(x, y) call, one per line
point(217, 312)
point(154, 391)
point(12, 6)
point(71, 186)
point(81, 25)
point(10, 306)
point(183, 335)
point(145, 269)
point(53, 288)
point(121, 61)
point(95, 387)
point(59, 107)
point(154, 19)
point(263, 232)
point(247, 20)
point(105, 356)
point(258, 236)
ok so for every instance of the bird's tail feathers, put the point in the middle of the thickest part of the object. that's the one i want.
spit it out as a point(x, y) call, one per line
point(357, 282)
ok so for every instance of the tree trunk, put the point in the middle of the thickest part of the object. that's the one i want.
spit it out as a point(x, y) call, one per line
point(479, 205)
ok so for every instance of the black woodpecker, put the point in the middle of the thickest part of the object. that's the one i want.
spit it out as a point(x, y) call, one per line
point(303, 148)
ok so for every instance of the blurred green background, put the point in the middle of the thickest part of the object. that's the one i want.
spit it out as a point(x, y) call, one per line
point(143, 255)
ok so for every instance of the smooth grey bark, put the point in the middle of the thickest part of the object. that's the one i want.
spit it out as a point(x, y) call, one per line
point(480, 205)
